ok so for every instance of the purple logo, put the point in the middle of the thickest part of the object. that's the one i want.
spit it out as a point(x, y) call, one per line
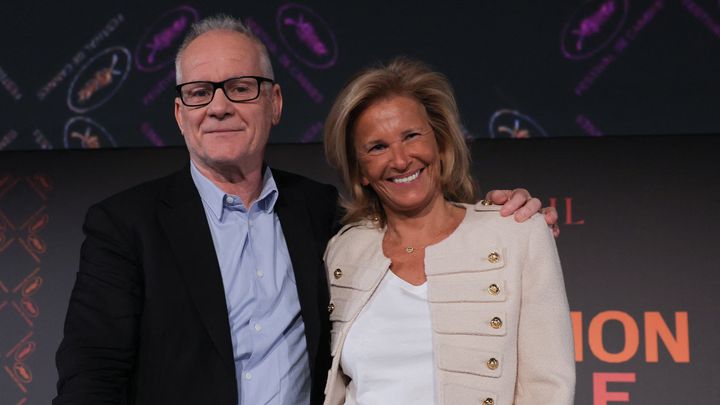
point(99, 79)
point(513, 124)
point(592, 27)
point(159, 43)
point(307, 36)
point(84, 133)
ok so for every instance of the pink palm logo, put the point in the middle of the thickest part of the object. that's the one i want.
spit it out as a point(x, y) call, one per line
point(162, 40)
point(592, 24)
point(307, 35)
point(156, 48)
point(592, 27)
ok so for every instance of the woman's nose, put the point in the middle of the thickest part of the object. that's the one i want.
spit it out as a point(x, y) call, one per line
point(399, 156)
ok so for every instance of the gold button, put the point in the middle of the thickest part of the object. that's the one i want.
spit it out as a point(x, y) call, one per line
point(494, 257)
point(493, 289)
point(493, 364)
point(496, 323)
point(337, 273)
point(485, 202)
point(488, 401)
point(331, 307)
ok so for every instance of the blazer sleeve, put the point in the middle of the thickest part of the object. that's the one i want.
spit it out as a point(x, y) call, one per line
point(98, 350)
point(546, 364)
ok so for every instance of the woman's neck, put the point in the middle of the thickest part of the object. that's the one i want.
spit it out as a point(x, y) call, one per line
point(425, 227)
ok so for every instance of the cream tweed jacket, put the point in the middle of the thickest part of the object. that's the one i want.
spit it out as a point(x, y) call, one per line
point(500, 319)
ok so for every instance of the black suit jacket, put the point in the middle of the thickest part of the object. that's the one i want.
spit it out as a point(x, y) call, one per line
point(147, 321)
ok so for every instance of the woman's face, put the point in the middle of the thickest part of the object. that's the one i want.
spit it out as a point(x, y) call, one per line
point(398, 155)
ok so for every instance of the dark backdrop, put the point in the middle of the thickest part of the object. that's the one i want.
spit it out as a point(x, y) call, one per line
point(99, 74)
point(638, 244)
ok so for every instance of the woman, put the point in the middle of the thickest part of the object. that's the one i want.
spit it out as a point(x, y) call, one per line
point(434, 299)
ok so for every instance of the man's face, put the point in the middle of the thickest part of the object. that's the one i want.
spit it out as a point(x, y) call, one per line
point(224, 135)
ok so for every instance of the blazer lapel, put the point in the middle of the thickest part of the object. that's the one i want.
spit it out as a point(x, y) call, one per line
point(302, 245)
point(185, 225)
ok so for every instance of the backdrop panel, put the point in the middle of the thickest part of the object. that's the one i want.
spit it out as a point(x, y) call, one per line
point(87, 74)
point(638, 246)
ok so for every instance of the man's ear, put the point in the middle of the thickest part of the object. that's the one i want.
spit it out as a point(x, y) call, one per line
point(178, 118)
point(277, 103)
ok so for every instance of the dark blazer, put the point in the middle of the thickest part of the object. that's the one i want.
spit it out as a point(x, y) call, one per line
point(147, 321)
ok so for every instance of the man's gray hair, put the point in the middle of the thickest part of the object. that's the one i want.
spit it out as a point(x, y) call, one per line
point(222, 22)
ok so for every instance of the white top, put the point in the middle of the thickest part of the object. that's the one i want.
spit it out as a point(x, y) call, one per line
point(388, 351)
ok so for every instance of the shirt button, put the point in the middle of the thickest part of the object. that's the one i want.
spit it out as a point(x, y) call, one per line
point(259, 273)
point(229, 200)
point(258, 327)
point(248, 376)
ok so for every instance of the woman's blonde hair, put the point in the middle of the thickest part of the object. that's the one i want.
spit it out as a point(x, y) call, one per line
point(401, 77)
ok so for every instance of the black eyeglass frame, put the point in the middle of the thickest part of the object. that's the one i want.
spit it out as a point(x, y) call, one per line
point(221, 85)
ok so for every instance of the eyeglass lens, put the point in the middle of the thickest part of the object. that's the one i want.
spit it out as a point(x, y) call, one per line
point(241, 89)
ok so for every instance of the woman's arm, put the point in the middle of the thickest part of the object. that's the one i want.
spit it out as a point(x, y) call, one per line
point(546, 365)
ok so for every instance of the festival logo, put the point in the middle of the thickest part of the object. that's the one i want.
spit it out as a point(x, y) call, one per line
point(513, 124)
point(157, 47)
point(307, 36)
point(84, 133)
point(99, 79)
point(592, 27)
point(19, 286)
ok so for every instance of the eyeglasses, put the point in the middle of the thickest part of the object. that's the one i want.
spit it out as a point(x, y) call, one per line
point(236, 89)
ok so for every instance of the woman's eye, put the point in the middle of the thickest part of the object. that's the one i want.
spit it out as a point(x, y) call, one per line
point(376, 148)
point(412, 135)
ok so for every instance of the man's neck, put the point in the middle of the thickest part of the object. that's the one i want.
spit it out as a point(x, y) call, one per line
point(244, 182)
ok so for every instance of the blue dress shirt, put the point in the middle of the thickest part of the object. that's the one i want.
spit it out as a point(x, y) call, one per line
point(268, 334)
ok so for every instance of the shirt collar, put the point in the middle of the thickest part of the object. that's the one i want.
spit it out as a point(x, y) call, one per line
point(269, 193)
point(214, 198)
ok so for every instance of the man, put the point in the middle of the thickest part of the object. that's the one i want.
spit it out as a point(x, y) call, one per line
point(207, 286)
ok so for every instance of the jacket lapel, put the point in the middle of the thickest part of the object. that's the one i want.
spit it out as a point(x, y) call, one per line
point(185, 225)
point(291, 209)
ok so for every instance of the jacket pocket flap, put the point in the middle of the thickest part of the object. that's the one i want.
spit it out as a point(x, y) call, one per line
point(470, 361)
point(471, 287)
point(485, 259)
point(459, 394)
point(470, 321)
point(355, 277)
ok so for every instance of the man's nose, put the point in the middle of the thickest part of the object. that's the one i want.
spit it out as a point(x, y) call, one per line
point(220, 106)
